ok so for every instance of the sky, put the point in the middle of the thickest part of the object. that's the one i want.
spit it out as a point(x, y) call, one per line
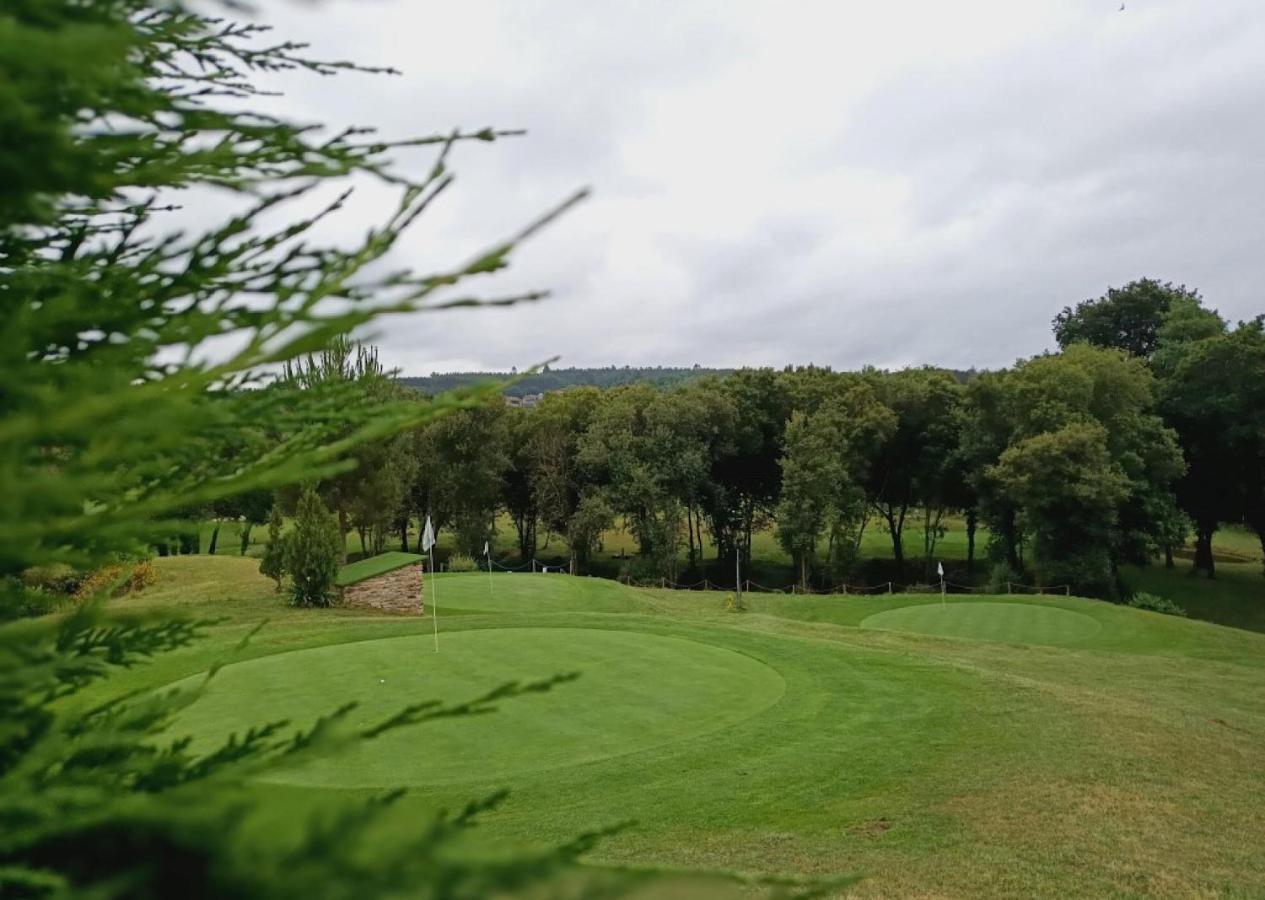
point(839, 183)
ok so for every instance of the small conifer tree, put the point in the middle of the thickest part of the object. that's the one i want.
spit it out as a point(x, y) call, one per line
point(312, 552)
point(274, 559)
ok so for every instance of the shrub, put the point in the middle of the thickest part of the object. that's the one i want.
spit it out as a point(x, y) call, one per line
point(117, 579)
point(313, 551)
point(273, 563)
point(1001, 576)
point(144, 573)
point(459, 562)
point(1156, 603)
point(55, 579)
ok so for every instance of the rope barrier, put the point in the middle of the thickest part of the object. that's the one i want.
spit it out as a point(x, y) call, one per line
point(843, 589)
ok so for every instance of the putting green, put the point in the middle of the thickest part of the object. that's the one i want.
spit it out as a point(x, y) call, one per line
point(635, 691)
point(1015, 623)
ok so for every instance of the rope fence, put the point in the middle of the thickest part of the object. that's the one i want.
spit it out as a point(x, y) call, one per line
point(844, 589)
point(859, 590)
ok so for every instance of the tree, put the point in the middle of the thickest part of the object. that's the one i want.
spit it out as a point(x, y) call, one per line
point(1070, 490)
point(1213, 391)
point(812, 477)
point(911, 467)
point(592, 518)
point(745, 483)
point(461, 463)
point(1113, 395)
point(1127, 318)
point(273, 564)
point(313, 549)
point(828, 457)
point(109, 435)
point(558, 480)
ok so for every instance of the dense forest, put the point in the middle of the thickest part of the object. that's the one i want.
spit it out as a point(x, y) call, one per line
point(1146, 428)
point(550, 379)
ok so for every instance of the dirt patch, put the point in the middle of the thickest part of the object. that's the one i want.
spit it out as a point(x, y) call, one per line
point(872, 828)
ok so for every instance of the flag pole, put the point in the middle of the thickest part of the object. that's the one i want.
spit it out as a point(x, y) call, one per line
point(428, 544)
point(434, 600)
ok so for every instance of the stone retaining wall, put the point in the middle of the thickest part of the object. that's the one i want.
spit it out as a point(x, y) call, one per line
point(397, 591)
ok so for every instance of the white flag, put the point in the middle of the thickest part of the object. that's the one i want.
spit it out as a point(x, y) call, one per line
point(487, 551)
point(940, 569)
point(428, 537)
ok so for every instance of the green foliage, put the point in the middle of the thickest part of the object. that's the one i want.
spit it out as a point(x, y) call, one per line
point(313, 552)
point(1069, 489)
point(1128, 318)
point(593, 516)
point(105, 111)
point(1156, 603)
point(273, 563)
point(460, 562)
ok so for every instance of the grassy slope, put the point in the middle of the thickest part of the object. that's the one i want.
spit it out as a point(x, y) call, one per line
point(376, 565)
point(1127, 761)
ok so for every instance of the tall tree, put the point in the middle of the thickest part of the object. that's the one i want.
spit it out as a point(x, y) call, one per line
point(1214, 393)
point(558, 480)
point(911, 467)
point(128, 347)
point(1127, 318)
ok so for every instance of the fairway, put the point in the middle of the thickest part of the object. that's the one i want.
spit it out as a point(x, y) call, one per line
point(636, 691)
point(1015, 623)
point(1055, 747)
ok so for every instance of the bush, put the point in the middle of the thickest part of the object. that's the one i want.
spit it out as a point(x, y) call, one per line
point(459, 562)
point(54, 579)
point(313, 551)
point(1155, 603)
point(117, 580)
point(1001, 576)
point(274, 559)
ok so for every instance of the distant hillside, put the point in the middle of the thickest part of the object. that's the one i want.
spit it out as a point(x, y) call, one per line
point(608, 377)
point(557, 379)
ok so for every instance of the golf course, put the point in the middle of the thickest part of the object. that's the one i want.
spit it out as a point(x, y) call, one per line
point(972, 746)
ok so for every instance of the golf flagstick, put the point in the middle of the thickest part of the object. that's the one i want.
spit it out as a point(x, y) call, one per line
point(940, 572)
point(428, 544)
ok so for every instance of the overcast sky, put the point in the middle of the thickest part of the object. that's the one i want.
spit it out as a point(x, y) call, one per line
point(842, 183)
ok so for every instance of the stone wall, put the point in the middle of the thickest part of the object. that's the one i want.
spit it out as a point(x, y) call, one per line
point(397, 591)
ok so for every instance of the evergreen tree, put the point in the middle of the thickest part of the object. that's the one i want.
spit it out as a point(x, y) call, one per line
point(273, 564)
point(313, 550)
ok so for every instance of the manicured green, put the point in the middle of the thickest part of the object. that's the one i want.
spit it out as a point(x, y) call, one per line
point(374, 566)
point(1011, 622)
point(1025, 747)
point(637, 692)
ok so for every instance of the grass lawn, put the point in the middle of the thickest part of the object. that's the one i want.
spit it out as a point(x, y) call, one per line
point(1000, 746)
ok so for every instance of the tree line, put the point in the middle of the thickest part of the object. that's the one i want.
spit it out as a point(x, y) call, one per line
point(1145, 428)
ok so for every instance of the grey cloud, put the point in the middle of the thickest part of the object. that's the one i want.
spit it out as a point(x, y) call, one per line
point(769, 193)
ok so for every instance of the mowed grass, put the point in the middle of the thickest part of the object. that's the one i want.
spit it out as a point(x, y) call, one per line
point(1016, 623)
point(984, 747)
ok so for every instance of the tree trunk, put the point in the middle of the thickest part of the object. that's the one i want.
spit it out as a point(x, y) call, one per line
point(404, 535)
point(1203, 552)
point(1168, 555)
point(689, 528)
point(215, 539)
point(972, 520)
point(895, 528)
point(575, 563)
point(246, 527)
point(343, 528)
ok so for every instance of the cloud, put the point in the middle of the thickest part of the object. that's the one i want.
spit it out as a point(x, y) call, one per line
point(840, 183)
